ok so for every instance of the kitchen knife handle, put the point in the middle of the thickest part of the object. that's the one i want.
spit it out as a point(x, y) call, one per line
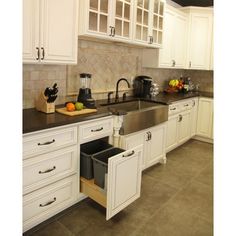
point(47, 143)
point(43, 53)
point(38, 55)
point(48, 203)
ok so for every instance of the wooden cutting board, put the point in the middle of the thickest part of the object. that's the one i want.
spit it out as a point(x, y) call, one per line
point(75, 113)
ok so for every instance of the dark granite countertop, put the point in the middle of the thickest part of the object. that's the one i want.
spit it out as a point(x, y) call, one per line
point(34, 120)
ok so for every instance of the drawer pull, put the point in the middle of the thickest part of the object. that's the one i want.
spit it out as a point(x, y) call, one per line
point(96, 130)
point(172, 109)
point(48, 203)
point(46, 171)
point(186, 105)
point(47, 143)
point(130, 154)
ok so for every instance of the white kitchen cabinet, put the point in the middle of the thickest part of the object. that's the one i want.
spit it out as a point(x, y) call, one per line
point(205, 118)
point(123, 182)
point(199, 37)
point(110, 20)
point(194, 114)
point(172, 54)
point(50, 31)
point(181, 125)
point(148, 22)
point(50, 166)
point(153, 140)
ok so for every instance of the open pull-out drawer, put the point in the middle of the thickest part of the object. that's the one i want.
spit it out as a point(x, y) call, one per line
point(123, 182)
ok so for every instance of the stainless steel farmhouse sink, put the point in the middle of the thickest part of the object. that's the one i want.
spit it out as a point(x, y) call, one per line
point(138, 115)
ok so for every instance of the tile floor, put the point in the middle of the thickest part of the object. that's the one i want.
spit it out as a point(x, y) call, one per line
point(176, 200)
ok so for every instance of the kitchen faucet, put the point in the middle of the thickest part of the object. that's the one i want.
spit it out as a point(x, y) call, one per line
point(117, 86)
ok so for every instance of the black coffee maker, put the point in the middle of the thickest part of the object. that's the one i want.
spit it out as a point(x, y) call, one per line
point(85, 91)
point(142, 85)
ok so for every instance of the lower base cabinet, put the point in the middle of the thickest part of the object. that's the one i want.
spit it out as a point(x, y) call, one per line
point(153, 141)
point(205, 118)
point(123, 180)
point(48, 201)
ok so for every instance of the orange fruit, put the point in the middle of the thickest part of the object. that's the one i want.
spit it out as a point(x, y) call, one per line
point(70, 106)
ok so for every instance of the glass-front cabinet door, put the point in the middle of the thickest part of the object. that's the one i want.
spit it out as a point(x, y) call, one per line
point(157, 22)
point(122, 18)
point(142, 21)
point(99, 16)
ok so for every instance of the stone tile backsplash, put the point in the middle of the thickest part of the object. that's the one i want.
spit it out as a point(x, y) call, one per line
point(107, 63)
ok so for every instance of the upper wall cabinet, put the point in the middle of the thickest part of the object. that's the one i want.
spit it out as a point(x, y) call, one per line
point(172, 54)
point(199, 37)
point(50, 31)
point(106, 19)
point(148, 22)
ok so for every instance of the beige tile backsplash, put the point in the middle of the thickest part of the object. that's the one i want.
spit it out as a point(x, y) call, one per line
point(107, 63)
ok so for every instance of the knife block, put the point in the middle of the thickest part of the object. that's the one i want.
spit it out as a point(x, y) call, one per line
point(41, 104)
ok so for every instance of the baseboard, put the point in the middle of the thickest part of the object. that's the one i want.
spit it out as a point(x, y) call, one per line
point(203, 139)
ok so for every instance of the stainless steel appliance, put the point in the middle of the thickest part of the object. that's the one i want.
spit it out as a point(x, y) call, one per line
point(85, 95)
point(142, 86)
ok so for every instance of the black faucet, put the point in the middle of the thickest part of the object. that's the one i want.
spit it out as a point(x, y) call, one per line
point(117, 86)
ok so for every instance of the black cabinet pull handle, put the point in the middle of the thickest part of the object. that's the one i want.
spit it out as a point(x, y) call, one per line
point(47, 171)
point(180, 118)
point(43, 53)
point(96, 130)
point(186, 105)
point(114, 32)
point(150, 39)
point(111, 30)
point(150, 135)
point(47, 143)
point(147, 136)
point(172, 109)
point(130, 154)
point(38, 55)
point(48, 203)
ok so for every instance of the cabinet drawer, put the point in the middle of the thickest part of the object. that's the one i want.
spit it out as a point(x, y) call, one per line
point(44, 169)
point(186, 105)
point(46, 141)
point(46, 202)
point(174, 109)
point(95, 130)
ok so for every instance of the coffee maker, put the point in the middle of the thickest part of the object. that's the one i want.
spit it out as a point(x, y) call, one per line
point(142, 86)
point(85, 91)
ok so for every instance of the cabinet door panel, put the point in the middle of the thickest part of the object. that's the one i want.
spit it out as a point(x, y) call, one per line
point(59, 34)
point(30, 30)
point(184, 127)
point(205, 117)
point(172, 132)
point(124, 180)
point(179, 43)
point(200, 36)
point(156, 145)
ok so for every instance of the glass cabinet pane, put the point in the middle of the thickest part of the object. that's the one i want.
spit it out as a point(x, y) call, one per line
point(103, 23)
point(145, 34)
point(118, 27)
point(160, 23)
point(140, 3)
point(138, 32)
point(104, 6)
point(156, 6)
point(139, 16)
point(93, 20)
point(119, 7)
point(154, 35)
point(155, 21)
point(146, 4)
point(159, 37)
point(161, 12)
point(127, 12)
point(145, 18)
point(94, 5)
point(126, 29)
